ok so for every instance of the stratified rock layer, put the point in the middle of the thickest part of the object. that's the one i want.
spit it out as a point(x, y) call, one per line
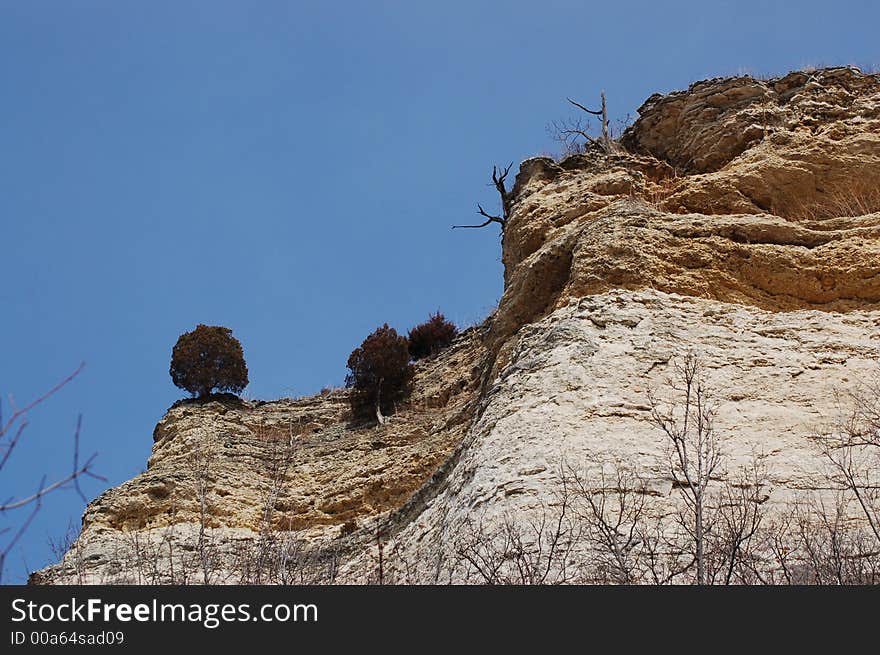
point(739, 219)
point(575, 394)
point(319, 474)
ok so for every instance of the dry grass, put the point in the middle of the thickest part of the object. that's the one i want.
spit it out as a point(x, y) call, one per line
point(657, 193)
point(858, 197)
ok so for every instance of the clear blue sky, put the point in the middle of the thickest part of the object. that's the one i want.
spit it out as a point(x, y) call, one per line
point(291, 170)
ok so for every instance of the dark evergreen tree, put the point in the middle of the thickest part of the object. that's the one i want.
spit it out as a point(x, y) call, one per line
point(208, 359)
point(380, 372)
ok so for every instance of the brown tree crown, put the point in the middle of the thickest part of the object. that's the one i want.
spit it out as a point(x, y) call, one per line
point(380, 371)
point(208, 359)
point(431, 337)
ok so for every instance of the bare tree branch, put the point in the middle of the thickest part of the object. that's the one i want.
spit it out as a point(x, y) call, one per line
point(490, 219)
point(11, 432)
point(853, 450)
point(589, 111)
point(499, 177)
point(567, 132)
point(498, 180)
point(687, 420)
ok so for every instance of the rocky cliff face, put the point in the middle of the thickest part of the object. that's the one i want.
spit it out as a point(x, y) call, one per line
point(739, 219)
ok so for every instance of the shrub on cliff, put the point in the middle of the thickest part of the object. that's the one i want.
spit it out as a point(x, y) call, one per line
point(208, 359)
point(380, 373)
point(431, 337)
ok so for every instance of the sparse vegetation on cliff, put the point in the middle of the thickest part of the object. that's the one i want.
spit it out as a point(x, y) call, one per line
point(601, 295)
point(574, 134)
point(380, 373)
point(499, 177)
point(431, 337)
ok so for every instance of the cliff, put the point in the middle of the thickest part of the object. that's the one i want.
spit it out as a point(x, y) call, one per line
point(739, 219)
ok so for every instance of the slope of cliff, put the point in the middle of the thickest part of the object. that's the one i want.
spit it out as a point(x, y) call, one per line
point(293, 466)
point(739, 219)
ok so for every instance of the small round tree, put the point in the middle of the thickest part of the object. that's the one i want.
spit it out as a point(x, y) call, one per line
point(208, 359)
point(380, 372)
point(431, 337)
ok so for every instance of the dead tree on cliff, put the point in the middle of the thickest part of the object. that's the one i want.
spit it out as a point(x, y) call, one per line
point(522, 550)
point(568, 132)
point(853, 450)
point(614, 511)
point(200, 460)
point(687, 419)
point(498, 179)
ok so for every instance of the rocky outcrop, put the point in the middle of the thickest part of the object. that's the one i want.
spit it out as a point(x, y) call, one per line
point(293, 466)
point(803, 146)
point(575, 392)
point(340, 471)
point(782, 218)
point(739, 219)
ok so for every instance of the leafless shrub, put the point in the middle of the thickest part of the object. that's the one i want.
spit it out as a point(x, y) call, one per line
point(145, 559)
point(398, 566)
point(278, 457)
point(836, 550)
point(687, 419)
point(200, 460)
point(12, 429)
point(69, 545)
point(532, 552)
point(574, 136)
point(816, 541)
point(835, 538)
point(664, 551)
point(569, 133)
point(285, 559)
point(278, 555)
point(733, 552)
point(634, 541)
point(852, 449)
point(612, 508)
point(60, 545)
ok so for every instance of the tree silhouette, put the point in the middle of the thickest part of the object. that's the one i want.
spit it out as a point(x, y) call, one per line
point(380, 372)
point(208, 359)
point(431, 337)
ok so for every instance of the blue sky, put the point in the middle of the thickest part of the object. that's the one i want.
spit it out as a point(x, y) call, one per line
point(291, 170)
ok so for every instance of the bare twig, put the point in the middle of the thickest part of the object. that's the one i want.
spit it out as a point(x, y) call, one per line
point(687, 420)
point(11, 432)
point(490, 219)
point(200, 460)
point(499, 177)
point(567, 132)
point(853, 450)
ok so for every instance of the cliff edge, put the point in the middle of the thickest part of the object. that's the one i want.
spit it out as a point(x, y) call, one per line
point(738, 219)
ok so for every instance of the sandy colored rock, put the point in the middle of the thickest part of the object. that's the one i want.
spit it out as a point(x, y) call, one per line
point(575, 392)
point(340, 473)
point(739, 219)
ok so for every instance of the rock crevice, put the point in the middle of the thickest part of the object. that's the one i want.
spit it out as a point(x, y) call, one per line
point(740, 219)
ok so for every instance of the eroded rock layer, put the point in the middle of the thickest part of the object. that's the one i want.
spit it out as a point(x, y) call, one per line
point(739, 219)
point(575, 394)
